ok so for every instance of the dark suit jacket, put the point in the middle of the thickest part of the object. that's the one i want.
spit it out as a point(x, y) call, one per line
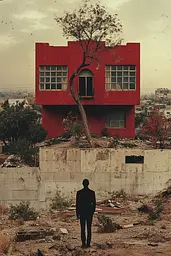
point(85, 202)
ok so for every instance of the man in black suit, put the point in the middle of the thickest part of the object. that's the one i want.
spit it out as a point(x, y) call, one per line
point(85, 208)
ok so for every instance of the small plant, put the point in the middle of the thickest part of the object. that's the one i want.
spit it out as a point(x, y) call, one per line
point(60, 202)
point(105, 132)
point(22, 211)
point(77, 130)
point(118, 194)
point(106, 225)
point(155, 213)
point(5, 242)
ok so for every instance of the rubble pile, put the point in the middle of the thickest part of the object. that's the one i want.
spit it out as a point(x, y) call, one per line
point(12, 161)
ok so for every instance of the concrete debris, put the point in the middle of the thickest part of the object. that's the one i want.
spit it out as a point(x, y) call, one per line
point(12, 161)
point(64, 231)
point(24, 235)
point(108, 210)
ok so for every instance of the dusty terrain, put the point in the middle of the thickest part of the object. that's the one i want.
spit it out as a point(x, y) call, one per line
point(145, 238)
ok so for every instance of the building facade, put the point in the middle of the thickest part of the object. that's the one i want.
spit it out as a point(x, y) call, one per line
point(108, 90)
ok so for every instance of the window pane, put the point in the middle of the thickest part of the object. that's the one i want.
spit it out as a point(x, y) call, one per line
point(132, 73)
point(125, 67)
point(64, 67)
point(132, 79)
point(119, 67)
point(64, 86)
point(47, 86)
point(113, 67)
point(114, 123)
point(53, 67)
point(41, 67)
point(64, 80)
point(108, 79)
point(113, 73)
point(82, 87)
point(119, 86)
point(107, 67)
point(108, 86)
point(119, 79)
point(48, 79)
point(126, 79)
point(59, 86)
point(89, 86)
point(59, 68)
point(113, 79)
point(125, 86)
point(53, 86)
point(108, 74)
point(59, 79)
point(119, 73)
point(132, 67)
point(42, 87)
point(53, 73)
point(47, 73)
point(64, 73)
point(53, 79)
point(113, 86)
point(59, 73)
point(47, 67)
point(125, 73)
point(132, 86)
point(41, 73)
point(41, 79)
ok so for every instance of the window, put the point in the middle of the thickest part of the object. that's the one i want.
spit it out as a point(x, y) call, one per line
point(116, 119)
point(86, 83)
point(134, 159)
point(53, 77)
point(120, 77)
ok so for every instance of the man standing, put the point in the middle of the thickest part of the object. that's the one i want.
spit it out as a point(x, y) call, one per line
point(85, 208)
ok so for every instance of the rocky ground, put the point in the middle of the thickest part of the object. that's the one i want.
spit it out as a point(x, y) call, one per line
point(139, 235)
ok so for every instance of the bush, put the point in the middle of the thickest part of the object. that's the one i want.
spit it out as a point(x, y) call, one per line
point(106, 225)
point(5, 242)
point(118, 194)
point(60, 202)
point(22, 211)
point(104, 132)
point(24, 149)
point(155, 213)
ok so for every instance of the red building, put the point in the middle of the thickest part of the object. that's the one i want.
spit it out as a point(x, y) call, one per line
point(109, 91)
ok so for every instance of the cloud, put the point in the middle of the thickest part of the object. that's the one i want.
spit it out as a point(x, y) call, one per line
point(35, 20)
point(7, 41)
point(115, 4)
point(30, 15)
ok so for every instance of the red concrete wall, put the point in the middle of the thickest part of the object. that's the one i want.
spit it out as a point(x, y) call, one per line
point(53, 116)
point(71, 55)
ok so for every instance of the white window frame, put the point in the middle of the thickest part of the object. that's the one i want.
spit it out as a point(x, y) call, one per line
point(121, 123)
point(116, 85)
point(53, 85)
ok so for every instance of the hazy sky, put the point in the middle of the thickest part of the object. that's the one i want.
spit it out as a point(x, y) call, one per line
point(24, 22)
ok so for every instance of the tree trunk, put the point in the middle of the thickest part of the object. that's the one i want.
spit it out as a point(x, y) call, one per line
point(80, 106)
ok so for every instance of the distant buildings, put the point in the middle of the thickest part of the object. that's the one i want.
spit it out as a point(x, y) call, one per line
point(163, 93)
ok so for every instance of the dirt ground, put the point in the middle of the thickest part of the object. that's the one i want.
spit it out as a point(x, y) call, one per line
point(142, 239)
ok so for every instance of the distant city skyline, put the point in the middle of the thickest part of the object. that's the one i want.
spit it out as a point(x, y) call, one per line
point(23, 23)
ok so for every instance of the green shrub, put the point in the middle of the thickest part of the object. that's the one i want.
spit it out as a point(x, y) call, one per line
point(106, 225)
point(60, 202)
point(22, 211)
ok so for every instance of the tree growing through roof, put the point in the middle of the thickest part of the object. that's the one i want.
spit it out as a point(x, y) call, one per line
point(90, 25)
point(156, 128)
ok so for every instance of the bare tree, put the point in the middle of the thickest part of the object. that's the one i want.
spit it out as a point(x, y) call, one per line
point(90, 25)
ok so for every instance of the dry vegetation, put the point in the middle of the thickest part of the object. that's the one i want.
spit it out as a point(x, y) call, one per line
point(131, 233)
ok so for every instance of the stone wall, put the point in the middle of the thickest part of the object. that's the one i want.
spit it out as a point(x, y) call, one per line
point(107, 170)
